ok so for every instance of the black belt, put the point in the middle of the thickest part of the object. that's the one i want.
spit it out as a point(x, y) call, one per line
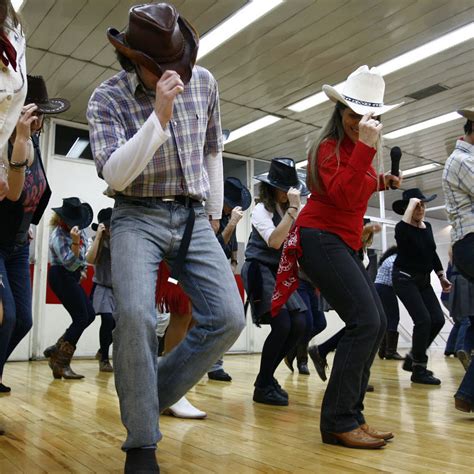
point(187, 202)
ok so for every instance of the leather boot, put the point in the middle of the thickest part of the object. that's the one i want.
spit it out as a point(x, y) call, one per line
point(49, 351)
point(423, 376)
point(357, 438)
point(302, 358)
point(383, 347)
point(60, 361)
point(391, 353)
point(319, 362)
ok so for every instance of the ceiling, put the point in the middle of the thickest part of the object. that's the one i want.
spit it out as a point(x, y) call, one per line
point(282, 58)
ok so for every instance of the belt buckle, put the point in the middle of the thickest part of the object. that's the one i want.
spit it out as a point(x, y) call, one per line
point(168, 198)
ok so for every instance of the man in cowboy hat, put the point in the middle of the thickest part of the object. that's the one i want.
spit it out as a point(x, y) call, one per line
point(237, 199)
point(157, 141)
point(458, 187)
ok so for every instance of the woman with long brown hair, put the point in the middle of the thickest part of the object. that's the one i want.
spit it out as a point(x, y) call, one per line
point(327, 238)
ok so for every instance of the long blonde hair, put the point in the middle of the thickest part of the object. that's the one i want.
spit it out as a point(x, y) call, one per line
point(55, 220)
point(333, 129)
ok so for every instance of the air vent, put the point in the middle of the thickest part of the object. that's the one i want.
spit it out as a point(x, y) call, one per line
point(427, 92)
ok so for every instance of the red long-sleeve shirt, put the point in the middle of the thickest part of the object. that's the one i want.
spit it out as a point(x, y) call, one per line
point(346, 187)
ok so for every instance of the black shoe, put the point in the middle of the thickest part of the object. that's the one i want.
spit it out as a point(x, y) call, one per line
point(449, 353)
point(4, 388)
point(220, 375)
point(394, 356)
point(269, 396)
point(319, 362)
point(141, 461)
point(408, 365)
point(303, 368)
point(279, 388)
point(370, 388)
point(421, 375)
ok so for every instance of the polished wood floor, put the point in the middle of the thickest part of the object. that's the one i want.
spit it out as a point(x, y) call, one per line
point(74, 426)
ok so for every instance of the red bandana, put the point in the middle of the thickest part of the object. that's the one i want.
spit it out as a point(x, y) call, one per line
point(7, 51)
point(287, 275)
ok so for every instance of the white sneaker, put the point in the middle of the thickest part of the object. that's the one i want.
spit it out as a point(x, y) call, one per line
point(183, 409)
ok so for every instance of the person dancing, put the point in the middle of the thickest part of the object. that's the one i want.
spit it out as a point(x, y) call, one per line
point(326, 241)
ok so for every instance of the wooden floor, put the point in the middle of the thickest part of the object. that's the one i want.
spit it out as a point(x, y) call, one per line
point(74, 426)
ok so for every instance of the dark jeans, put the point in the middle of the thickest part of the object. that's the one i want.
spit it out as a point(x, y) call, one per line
point(418, 297)
point(463, 256)
point(331, 344)
point(287, 329)
point(17, 319)
point(390, 305)
point(337, 271)
point(66, 287)
point(466, 389)
point(315, 319)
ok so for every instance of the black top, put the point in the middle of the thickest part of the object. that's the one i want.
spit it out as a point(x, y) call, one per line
point(232, 245)
point(16, 216)
point(416, 249)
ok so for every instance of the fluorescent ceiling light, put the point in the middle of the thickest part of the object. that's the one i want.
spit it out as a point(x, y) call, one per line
point(422, 125)
point(301, 164)
point(242, 18)
point(420, 169)
point(252, 127)
point(77, 148)
point(407, 59)
point(17, 4)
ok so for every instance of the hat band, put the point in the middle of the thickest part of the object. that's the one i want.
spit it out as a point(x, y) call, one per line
point(362, 102)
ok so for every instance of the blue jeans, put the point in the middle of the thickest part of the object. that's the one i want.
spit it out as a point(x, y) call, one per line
point(145, 232)
point(17, 319)
point(466, 389)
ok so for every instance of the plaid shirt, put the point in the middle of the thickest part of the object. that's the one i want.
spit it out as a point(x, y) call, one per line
point(384, 275)
point(458, 187)
point(119, 107)
point(60, 250)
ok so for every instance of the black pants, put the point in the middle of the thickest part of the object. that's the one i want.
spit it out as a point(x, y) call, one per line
point(463, 256)
point(65, 285)
point(418, 297)
point(337, 271)
point(390, 305)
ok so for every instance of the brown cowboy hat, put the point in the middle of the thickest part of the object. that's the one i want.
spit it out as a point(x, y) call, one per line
point(158, 38)
point(468, 113)
point(38, 94)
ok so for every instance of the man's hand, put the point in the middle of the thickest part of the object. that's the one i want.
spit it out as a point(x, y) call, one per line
point(167, 88)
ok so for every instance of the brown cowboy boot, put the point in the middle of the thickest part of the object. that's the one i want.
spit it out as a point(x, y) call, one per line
point(60, 361)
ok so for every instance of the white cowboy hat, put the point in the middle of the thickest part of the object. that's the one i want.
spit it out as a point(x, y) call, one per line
point(363, 92)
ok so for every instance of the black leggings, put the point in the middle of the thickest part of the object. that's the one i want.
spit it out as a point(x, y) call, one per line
point(337, 271)
point(66, 287)
point(287, 329)
point(105, 334)
point(418, 297)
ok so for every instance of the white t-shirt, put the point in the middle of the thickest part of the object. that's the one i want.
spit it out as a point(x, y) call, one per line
point(262, 220)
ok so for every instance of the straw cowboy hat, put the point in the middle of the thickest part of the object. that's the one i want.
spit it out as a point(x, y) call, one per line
point(158, 38)
point(363, 92)
point(38, 94)
point(468, 113)
point(283, 175)
point(401, 205)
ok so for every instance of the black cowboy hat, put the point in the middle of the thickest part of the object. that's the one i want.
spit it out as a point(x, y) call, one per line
point(401, 205)
point(236, 194)
point(37, 94)
point(283, 175)
point(158, 38)
point(103, 217)
point(73, 212)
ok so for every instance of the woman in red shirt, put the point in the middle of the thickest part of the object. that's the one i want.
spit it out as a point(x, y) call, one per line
point(327, 239)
